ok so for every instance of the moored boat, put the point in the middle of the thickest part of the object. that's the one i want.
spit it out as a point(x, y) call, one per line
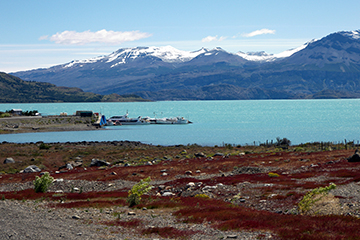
point(172, 120)
point(125, 120)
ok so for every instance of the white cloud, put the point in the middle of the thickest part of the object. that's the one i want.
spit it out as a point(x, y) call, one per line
point(259, 32)
point(213, 38)
point(102, 36)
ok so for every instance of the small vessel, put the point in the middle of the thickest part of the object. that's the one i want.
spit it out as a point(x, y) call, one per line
point(172, 120)
point(125, 120)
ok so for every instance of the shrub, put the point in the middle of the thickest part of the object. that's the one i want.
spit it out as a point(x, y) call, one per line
point(307, 202)
point(44, 146)
point(139, 189)
point(202, 195)
point(43, 183)
point(271, 174)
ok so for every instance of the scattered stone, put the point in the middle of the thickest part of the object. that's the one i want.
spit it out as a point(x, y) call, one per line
point(218, 154)
point(164, 174)
point(198, 171)
point(69, 166)
point(75, 217)
point(9, 160)
point(231, 236)
point(113, 173)
point(200, 154)
point(167, 194)
point(190, 184)
point(98, 163)
point(188, 172)
point(207, 188)
point(131, 213)
point(355, 157)
point(163, 170)
point(31, 169)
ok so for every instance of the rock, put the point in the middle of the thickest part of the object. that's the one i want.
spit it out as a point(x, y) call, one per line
point(98, 163)
point(31, 169)
point(190, 184)
point(9, 160)
point(75, 217)
point(113, 173)
point(161, 187)
point(218, 154)
point(200, 154)
point(207, 188)
point(167, 194)
point(163, 170)
point(355, 157)
point(231, 236)
point(131, 213)
point(164, 174)
point(188, 172)
point(198, 171)
point(69, 166)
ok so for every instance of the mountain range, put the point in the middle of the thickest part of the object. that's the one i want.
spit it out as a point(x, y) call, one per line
point(325, 68)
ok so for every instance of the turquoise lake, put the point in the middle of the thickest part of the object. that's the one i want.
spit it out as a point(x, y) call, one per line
point(214, 122)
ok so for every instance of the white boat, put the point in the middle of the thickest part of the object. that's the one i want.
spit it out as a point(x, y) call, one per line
point(173, 120)
point(125, 120)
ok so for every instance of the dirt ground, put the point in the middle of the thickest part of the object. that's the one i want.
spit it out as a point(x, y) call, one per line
point(263, 178)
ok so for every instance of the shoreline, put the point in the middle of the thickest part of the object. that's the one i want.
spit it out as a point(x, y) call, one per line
point(55, 123)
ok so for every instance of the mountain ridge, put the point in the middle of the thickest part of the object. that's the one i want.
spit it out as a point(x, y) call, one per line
point(330, 63)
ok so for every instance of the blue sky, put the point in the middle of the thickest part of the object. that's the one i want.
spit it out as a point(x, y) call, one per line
point(37, 34)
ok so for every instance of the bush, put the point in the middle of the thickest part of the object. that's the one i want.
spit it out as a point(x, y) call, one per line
point(202, 195)
point(44, 146)
point(42, 184)
point(271, 174)
point(139, 189)
point(307, 202)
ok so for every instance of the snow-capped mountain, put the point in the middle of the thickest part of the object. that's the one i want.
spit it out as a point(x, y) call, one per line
point(122, 56)
point(265, 57)
point(331, 63)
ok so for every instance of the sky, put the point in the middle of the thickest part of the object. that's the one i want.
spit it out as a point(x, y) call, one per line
point(43, 33)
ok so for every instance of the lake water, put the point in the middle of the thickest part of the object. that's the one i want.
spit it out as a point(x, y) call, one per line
point(214, 122)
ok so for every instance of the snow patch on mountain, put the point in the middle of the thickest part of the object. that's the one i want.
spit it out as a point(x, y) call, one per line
point(352, 34)
point(166, 54)
point(76, 62)
point(265, 57)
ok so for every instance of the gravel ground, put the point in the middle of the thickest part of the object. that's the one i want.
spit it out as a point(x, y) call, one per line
point(33, 220)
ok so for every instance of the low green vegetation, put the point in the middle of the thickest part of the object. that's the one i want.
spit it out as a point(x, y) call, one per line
point(41, 184)
point(138, 190)
point(307, 202)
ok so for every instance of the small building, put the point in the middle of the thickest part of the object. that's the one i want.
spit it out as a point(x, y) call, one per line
point(16, 111)
point(84, 113)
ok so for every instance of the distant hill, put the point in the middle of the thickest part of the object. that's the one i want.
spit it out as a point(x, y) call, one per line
point(324, 68)
point(15, 90)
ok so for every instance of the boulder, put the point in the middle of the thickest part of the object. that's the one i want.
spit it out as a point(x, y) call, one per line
point(200, 154)
point(9, 160)
point(98, 163)
point(31, 169)
point(355, 157)
point(218, 154)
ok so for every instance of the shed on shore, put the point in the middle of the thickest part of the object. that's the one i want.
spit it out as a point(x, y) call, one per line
point(84, 113)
